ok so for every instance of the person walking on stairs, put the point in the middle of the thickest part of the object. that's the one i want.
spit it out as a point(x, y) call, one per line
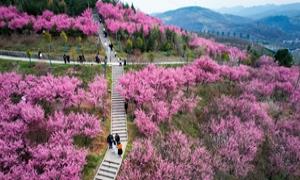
point(117, 138)
point(114, 147)
point(110, 139)
point(120, 150)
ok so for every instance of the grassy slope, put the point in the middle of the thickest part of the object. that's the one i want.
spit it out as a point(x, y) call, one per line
point(36, 42)
point(159, 56)
point(97, 147)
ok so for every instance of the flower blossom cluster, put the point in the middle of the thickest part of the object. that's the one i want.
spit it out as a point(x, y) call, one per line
point(117, 17)
point(36, 132)
point(13, 19)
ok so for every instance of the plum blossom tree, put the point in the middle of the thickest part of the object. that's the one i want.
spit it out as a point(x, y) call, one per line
point(286, 153)
point(38, 145)
point(173, 159)
point(214, 49)
point(267, 79)
point(48, 21)
point(13, 19)
point(235, 144)
point(127, 19)
point(96, 92)
point(158, 93)
point(86, 24)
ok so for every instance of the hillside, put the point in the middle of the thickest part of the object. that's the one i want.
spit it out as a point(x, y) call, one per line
point(222, 112)
point(257, 12)
point(198, 19)
point(283, 23)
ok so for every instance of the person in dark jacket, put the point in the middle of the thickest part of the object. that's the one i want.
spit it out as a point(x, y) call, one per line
point(80, 59)
point(97, 59)
point(83, 58)
point(68, 59)
point(117, 138)
point(111, 46)
point(65, 58)
point(110, 139)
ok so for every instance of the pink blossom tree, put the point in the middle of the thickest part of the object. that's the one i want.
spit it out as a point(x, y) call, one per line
point(39, 145)
point(172, 158)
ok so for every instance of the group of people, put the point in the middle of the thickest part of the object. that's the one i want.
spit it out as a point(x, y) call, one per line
point(66, 58)
point(111, 47)
point(98, 59)
point(81, 58)
point(114, 143)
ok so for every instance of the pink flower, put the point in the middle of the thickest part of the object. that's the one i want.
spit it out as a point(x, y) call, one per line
point(144, 124)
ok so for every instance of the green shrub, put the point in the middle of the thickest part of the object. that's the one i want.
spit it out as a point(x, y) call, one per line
point(284, 57)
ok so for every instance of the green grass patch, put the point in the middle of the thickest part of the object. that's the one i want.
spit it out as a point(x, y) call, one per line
point(84, 72)
point(82, 141)
point(36, 42)
point(212, 91)
point(134, 67)
point(187, 123)
point(133, 133)
point(138, 67)
point(91, 166)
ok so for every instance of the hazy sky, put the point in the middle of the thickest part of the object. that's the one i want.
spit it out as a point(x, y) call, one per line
point(152, 6)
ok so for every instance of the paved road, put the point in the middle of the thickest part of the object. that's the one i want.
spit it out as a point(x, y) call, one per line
point(113, 63)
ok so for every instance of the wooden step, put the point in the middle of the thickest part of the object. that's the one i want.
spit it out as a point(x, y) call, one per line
point(114, 110)
point(119, 105)
point(119, 120)
point(115, 116)
point(100, 177)
point(111, 162)
point(109, 169)
point(118, 129)
point(119, 124)
point(112, 165)
point(118, 111)
point(114, 131)
point(106, 174)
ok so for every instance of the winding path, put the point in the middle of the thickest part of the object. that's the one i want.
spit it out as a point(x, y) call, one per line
point(113, 63)
point(111, 163)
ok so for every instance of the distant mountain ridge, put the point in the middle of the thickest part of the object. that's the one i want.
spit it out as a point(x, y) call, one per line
point(195, 18)
point(262, 11)
point(199, 19)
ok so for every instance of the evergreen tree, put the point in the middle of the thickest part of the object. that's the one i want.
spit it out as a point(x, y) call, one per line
point(284, 57)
